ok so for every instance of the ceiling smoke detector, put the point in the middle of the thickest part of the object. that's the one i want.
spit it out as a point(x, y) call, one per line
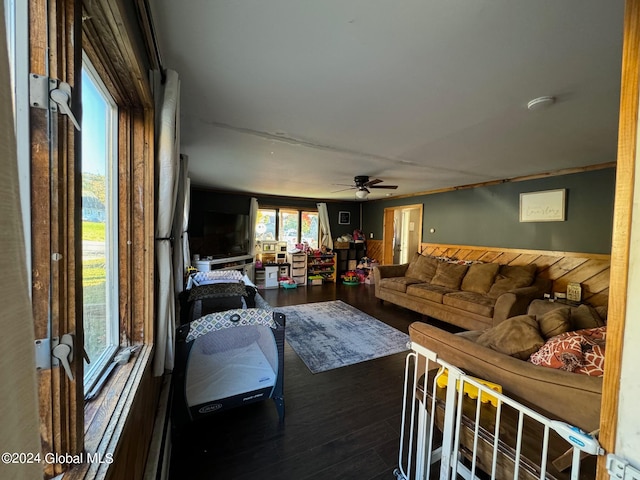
point(540, 103)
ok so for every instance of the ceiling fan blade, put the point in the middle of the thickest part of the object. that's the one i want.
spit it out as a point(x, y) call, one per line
point(343, 189)
point(371, 182)
point(392, 187)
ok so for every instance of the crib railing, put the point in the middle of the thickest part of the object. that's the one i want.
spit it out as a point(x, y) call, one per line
point(454, 425)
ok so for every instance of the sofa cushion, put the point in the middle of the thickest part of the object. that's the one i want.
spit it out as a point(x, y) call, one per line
point(592, 362)
point(480, 277)
point(399, 284)
point(471, 302)
point(422, 267)
point(517, 336)
point(585, 316)
point(567, 351)
point(435, 293)
point(512, 276)
point(562, 352)
point(449, 275)
point(554, 322)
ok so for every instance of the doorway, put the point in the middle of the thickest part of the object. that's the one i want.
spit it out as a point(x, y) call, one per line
point(402, 233)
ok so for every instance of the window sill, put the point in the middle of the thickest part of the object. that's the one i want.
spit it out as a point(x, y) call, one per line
point(107, 415)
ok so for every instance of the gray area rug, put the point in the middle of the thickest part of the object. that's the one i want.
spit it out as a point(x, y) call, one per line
point(328, 335)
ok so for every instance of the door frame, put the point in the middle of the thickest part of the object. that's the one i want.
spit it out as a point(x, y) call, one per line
point(387, 229)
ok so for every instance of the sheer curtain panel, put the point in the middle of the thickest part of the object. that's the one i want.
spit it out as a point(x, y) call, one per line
point(167, 165)
point(325, 229)
point(253, 218)
point(181, 254)
point(18, 395)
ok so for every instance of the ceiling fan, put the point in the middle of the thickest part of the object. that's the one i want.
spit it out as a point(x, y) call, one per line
point(362, 184)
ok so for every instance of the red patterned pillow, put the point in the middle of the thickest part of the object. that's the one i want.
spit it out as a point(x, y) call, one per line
point(562, 351)
point(581, 351)
point(593, 362)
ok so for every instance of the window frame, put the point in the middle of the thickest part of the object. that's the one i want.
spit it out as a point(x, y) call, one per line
point(58, 31)
point(98, 365)
point(278, 218)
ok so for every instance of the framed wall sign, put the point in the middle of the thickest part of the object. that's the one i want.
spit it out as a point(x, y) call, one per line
point(545, 206)
point(344, 218)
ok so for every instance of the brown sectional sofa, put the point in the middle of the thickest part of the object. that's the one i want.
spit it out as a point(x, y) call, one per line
point(572, 397)
point(473, 297)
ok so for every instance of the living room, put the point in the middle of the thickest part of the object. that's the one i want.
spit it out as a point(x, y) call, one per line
point(444, 118)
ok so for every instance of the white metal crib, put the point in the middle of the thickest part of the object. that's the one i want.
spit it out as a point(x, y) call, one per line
point(448, 434)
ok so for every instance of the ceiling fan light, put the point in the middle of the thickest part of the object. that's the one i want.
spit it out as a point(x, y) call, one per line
point(361, 193)
point(540, 103)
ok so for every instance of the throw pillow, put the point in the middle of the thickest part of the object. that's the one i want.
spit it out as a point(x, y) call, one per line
point(412, 269)
point(422, 267)
point(449, 275)
point(555, 322)
point(585, 316)
point(563, 352)
point(568, 351)
point(512, 276)
point(518, 337)
point(480, 277)
point(593, 362)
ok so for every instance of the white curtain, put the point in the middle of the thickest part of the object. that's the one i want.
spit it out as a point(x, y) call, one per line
point(19, 418)
point(167, 171)
point(325, 229)
point(186, 251)
point(180, 223)
point(253, 218)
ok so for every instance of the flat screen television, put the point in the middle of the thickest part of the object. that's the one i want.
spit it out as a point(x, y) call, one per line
point(225, 234)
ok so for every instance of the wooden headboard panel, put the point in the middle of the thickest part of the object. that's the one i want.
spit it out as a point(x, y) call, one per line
point(588, 269)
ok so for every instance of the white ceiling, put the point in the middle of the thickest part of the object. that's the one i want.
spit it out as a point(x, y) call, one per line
point(291, 97)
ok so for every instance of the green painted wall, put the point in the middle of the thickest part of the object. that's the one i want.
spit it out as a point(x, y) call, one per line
point(489, 216)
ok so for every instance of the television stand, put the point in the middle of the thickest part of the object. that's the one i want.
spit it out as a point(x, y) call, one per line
point(243, 263)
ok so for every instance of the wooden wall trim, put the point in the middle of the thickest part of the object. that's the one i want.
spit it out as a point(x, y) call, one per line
point(555, 253)
point(556, 173)
point(624, 193)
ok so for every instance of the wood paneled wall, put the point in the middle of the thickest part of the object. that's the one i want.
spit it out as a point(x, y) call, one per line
point(591, 271)
point(374, 250)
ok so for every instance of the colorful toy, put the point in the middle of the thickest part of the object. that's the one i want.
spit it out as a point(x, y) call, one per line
point(350, 278)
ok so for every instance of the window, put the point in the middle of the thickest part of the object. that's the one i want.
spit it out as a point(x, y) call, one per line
point(266, 225)
point(309, 231)
point(99, 224)
point(288, 231)
point(91, 222)
point(288, 225)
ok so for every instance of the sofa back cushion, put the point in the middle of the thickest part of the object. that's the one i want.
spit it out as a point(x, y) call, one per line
point(585, 316)
point(555, 322)
point(480, 277)
point(422, 267)
point(518, 337)
point(512, 276)
point(449, 275)
point(580, 317)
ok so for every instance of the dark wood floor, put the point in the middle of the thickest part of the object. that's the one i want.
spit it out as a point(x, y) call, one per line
point(343, 423)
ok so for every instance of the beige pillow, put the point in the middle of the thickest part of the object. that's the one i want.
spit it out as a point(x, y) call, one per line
point(412, 269)
point(480, 277)
point(512, 276)
point(585, 316)
point(422, 267)
point(518, 337)
point(555, 322)
point(449, 275)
